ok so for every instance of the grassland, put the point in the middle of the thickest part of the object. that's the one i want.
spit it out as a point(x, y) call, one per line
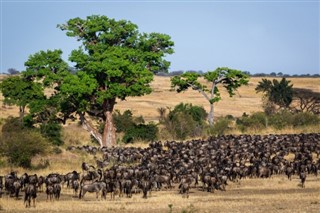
point(276, 194)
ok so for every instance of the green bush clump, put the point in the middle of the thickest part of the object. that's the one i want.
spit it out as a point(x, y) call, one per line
point(305, 119)
point(145, 132)
point(52, 131)
point(256, 121)
point(221, 126)
point(133, 127)
point(19, 144)
point(185, 120)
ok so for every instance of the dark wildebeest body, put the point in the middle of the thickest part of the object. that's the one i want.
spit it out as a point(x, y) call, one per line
point(57, 190)
point(303, 177)
point(30, 194)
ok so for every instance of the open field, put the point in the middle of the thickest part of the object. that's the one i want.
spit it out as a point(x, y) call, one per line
point(276, 194)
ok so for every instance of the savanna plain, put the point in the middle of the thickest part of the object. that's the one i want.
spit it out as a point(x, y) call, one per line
point(275, 194)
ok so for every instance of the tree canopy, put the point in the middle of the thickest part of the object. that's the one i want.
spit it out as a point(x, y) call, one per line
point(113, 62)
point(231, 80)
point(277, 92)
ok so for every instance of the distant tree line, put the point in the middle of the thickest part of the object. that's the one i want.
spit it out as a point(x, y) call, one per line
point(272, 74)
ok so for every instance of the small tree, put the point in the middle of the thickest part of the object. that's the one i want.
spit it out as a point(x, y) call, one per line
point(276, 92)
point(231, 80)
point(21, 92)
point(306, 100)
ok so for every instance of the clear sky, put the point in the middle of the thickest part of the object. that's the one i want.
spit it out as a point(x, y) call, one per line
point(255, 36)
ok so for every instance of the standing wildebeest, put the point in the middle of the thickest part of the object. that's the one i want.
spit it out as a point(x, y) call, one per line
point(96, 187)
point(49, 192)
point(303, 177)
point(30, 193)
point(57, 190)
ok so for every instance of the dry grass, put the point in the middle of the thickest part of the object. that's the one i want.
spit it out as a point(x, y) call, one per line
point(276, 194)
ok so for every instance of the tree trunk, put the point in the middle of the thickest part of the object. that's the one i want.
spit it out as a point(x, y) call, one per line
point(91, 129)
point(211, 115)
point(109, 131)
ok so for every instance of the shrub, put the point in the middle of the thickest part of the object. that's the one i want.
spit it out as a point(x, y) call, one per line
point(305, 119)
point(185, 121)
point(146, 132)
point(19, 148)
point(220, 127)
point(123, 121)
point(255, 121)
point(52, 131)
point(281, 119)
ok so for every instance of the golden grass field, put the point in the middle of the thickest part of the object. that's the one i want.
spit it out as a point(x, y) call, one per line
point(276, 194)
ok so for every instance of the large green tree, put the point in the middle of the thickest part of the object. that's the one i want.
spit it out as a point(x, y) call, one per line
point(230, 79)
point(115, 61)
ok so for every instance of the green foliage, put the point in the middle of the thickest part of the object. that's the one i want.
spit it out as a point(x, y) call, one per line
point(185, 120)
point(52, 131)
point(145, 132)
point(123, 121)
point(21, 144)
point(305, 119)
point(133, 127)
point(20, 91)
point(220, 127)
point(231, 80)
point(256, 121)
point(277, 92)
point(281, 119)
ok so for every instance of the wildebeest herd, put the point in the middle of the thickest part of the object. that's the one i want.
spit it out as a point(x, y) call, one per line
point(206, 165)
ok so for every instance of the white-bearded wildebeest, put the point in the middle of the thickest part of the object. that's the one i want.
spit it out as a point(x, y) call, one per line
point(30, 193)
point(97, 187)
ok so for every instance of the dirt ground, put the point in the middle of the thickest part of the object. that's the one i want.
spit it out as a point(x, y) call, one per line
point(276, 194)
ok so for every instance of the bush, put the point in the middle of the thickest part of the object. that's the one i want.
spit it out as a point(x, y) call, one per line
point(220, 127)
point(146, 132)
point(185, 121)
point(52, 131)
point(305, 119)
point(255, 121)
point(19, 148)
point(281, 119)
point(134, 127)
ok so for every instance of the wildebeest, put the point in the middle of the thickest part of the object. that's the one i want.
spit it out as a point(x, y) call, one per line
point(303, 177)
point(30, 193)
point(97, 187)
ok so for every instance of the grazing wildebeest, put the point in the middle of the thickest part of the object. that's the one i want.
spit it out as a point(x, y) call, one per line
point(57, 190)
point(145, 185)
point(184, 189)
point(303, 177)
point(41, 181)
point(96, 187)
point(75, 186)
point(17, 186)
point(30, 193)
point(49, 192)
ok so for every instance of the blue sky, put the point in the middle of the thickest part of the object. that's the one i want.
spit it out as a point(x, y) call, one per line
point(254, 36)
